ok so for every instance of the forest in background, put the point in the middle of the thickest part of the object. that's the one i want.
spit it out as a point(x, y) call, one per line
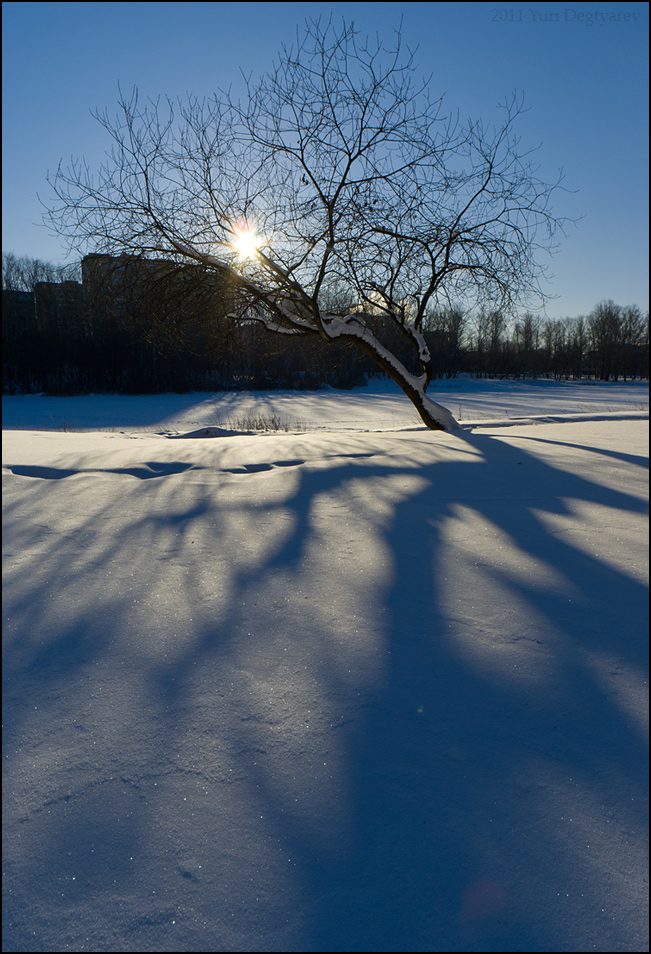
point(164, 328)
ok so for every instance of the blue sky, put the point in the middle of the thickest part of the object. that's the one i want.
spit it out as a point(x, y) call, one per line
point(583, 70)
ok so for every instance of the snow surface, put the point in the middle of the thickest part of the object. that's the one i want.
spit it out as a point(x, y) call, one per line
point(362, 689)
point(380, 405)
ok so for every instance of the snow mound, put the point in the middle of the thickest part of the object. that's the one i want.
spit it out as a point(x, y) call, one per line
point(206, 432)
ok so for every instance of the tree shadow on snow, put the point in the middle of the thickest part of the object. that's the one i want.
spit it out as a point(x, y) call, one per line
point(479, 752)
point(460, 797)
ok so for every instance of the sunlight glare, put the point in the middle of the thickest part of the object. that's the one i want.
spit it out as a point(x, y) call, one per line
point(245, 242)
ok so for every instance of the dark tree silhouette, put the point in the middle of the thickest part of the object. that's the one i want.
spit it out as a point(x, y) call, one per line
point(336, 172)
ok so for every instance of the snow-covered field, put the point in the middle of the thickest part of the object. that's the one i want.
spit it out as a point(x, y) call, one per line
point(355, 687)
point(469, 400)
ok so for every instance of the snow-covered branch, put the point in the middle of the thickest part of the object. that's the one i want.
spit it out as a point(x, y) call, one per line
point(356, 184)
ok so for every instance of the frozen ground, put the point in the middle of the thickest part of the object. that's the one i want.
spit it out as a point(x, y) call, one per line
point(361, 689)
point(379, 406)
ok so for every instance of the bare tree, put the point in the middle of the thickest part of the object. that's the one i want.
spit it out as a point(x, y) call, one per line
point(335, 172)
point(22, 274)
point(604, 329)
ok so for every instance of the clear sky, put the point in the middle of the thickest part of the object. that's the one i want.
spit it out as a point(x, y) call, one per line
point(583, 70)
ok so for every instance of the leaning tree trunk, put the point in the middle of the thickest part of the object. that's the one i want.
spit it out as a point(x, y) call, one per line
point(433, 415)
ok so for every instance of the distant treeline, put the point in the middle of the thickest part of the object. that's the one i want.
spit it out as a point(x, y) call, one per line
point(66, 332)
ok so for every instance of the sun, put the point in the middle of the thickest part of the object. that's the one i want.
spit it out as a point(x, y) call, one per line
point(246, 241)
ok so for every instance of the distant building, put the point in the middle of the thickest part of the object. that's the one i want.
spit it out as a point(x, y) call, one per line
point(124, 289)
point(131, 323)
point(151, 292)
point(18, 312)
point(60, 306)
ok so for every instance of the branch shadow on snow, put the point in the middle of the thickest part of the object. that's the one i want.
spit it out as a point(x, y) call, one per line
point(459, 850)
point(383, 706)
